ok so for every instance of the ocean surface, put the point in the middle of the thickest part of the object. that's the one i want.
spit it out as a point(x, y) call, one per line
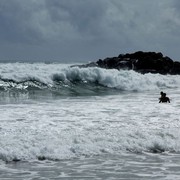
point(63, 122)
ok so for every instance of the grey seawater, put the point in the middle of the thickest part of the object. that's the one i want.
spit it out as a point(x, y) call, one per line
point(122, 136)
point(124, 166)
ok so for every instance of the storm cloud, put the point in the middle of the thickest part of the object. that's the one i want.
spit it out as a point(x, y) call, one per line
point(85, 30)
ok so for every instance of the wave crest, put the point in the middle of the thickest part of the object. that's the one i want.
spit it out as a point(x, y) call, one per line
point(53, 77)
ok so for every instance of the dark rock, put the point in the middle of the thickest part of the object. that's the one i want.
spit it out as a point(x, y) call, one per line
point(16, 160)
point(143, 62)
point(41, 158)
point(176, 68)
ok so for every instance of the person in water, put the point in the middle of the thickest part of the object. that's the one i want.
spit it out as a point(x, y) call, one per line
point(163, 98)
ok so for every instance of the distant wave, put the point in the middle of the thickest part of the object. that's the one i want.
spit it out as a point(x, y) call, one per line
point(58, 77)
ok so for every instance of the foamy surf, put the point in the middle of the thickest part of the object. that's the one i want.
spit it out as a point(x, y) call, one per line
point(58, 121)
point(24, 76)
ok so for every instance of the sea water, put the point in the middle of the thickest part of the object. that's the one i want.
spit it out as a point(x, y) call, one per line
point(63, 122)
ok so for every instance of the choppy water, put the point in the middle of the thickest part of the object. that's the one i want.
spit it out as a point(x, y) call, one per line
point(71, 123)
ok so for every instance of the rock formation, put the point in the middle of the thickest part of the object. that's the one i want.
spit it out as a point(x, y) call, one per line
point(143, 62)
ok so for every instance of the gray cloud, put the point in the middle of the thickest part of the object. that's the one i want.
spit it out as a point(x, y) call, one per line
point(87, 29)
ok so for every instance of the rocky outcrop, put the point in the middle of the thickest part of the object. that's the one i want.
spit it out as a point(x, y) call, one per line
point(143, 62)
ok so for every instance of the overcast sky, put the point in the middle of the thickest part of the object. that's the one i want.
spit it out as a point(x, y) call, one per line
point(86, 30)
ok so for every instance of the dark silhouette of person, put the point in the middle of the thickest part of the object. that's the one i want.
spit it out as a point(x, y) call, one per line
point(163, 98)
point(161, 93)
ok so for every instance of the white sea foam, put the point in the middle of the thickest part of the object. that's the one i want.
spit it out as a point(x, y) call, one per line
point(103, 136)
point(48, 74)
point(124, 80)
point(78, 127)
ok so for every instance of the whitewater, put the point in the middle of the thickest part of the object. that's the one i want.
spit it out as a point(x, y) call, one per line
point(59, 121)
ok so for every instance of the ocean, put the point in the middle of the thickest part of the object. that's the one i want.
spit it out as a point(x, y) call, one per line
point(64, 122)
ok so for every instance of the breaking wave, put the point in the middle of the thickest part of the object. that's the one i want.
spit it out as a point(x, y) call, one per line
point(74, 127)
point(63, 78)
point(67, 145)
